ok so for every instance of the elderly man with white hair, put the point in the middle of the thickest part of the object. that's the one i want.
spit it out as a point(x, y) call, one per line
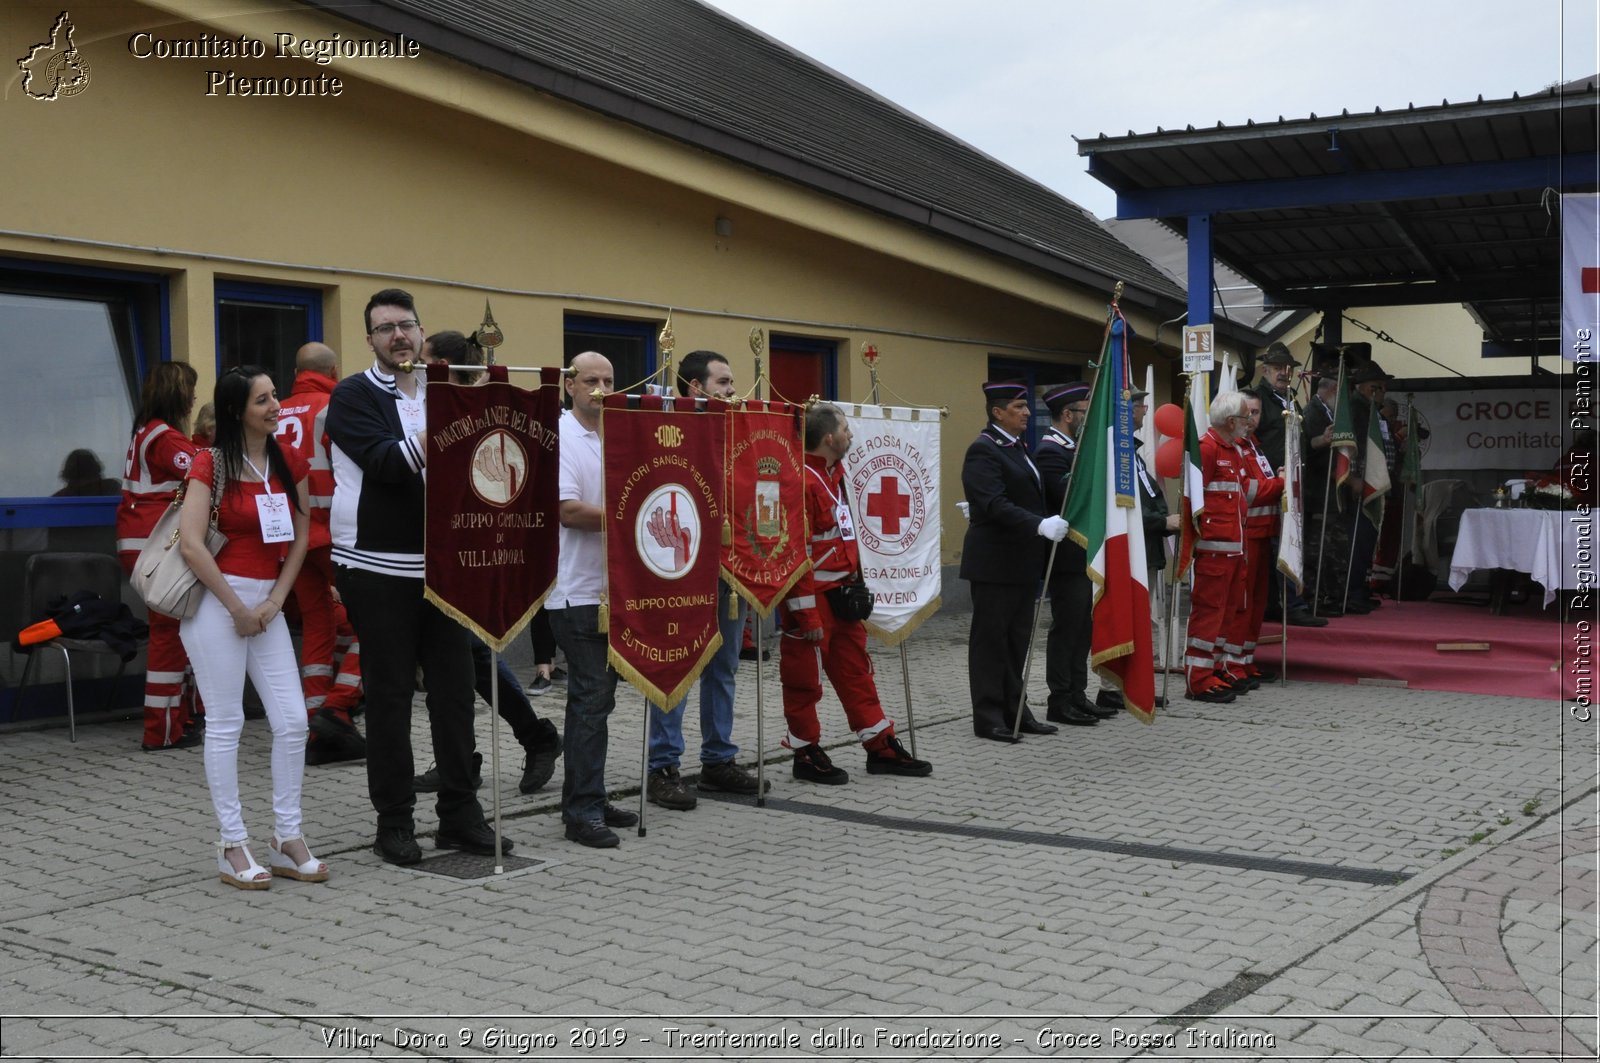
point(1219, 553)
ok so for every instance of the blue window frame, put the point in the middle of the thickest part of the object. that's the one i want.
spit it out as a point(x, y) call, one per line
point(264, 324)
point(630, 345)
point(99, 330)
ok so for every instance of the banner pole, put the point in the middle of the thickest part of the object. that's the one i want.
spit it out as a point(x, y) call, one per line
point(1033, 633)
point(869, 355)
point(494, 752)
point(761, 714)
point(644, 766)
point(1166, 636)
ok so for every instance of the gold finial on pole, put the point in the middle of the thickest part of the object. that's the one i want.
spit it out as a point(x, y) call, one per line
point(758, 344)
point(666, 342)
point(489, 335)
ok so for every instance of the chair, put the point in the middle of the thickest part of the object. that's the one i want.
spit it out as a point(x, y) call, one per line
point(46, 576)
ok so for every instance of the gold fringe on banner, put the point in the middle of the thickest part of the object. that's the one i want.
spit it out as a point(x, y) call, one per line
point(497, 644)
point(664, 700)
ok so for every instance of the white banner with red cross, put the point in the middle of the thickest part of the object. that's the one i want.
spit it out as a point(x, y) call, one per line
point(893, 475)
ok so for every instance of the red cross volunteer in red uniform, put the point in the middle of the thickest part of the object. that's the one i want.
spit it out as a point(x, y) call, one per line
point(812, 628)
point(1219, 556)
point(159, 457)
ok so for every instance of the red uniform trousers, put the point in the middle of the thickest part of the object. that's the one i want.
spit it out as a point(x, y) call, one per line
point(1218, 586)
point(326, 678)
point(843, 652)
point(1240, 643)
point(170, 696)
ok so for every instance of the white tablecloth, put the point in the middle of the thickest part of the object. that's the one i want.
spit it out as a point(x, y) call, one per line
point(1541, 542)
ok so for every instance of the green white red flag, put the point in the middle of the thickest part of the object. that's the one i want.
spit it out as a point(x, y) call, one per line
point(1344, 433)
point(1375, 483)
point(1194, 484)
point(1102, 510)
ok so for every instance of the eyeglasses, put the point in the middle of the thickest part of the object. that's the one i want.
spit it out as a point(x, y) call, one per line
point(387, 329)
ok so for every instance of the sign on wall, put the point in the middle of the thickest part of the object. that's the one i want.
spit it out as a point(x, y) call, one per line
point(1503, 430)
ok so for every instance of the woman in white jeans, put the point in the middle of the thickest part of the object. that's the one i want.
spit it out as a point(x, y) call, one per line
point(239, 630)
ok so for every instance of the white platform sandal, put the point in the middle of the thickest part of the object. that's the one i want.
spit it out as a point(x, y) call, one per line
point(254, 877)
point(313, 870)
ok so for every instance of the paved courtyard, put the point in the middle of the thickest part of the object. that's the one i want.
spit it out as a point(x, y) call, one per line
point(1314, 871)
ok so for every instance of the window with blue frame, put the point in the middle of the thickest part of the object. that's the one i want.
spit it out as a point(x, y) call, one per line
point(264, 324)
point(78, 341)
point(630, 345)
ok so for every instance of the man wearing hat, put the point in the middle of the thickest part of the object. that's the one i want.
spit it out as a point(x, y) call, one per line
point(1271, 437)
point(1066, 658)
point(1003, 557)
point(1327, 545)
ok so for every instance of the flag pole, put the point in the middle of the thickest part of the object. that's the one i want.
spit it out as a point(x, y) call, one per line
point(488, 337)
point(1050, 564)
point(758, 344)
point(666, 342)
point(1327, 493)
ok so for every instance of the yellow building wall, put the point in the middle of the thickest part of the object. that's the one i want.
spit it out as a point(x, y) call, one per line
point(460, 186)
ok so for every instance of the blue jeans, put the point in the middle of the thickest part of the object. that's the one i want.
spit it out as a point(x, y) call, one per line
point(591, 695)
point(716, 698)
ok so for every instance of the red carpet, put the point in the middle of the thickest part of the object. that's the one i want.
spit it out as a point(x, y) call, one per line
point(1530, 652)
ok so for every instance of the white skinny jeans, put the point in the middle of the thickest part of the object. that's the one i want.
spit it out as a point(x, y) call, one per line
point(221, 659)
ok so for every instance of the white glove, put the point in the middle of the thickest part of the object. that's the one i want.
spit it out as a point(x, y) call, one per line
point(1053, 528)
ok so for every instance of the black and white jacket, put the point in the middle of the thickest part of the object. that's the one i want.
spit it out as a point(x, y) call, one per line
point(378, 501)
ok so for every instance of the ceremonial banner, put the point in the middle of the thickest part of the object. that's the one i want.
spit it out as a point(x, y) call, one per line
point(766, 503)
point(664, 527)
point(1375, 484)
point(1344, 435)
point(893, 473)
point(492, 528)
point(1194, 486)
point(1580, 277)
point(1102, 509)
point(1291, 533)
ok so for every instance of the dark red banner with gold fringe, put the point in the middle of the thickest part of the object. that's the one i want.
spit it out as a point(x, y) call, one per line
point(766, 503)
point(664, 527)
point(492, 509)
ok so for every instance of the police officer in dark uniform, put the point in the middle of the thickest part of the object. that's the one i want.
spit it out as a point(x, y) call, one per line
point(1003, 558)
point(1066, 656)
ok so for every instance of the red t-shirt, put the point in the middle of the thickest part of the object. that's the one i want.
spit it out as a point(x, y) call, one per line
point(246, 555)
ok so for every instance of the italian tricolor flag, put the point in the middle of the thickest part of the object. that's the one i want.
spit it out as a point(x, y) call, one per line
point(1102, 508)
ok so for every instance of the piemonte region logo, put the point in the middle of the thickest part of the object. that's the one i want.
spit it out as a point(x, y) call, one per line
point(666, 534)
point(499, 468)
point(55, 68)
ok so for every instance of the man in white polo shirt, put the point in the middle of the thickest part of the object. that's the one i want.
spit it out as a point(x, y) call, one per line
point(574, 608)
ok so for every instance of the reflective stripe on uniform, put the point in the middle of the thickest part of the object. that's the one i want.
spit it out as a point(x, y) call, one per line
point(1222, 485)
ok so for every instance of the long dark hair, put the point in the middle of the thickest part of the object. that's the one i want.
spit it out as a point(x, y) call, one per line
point(230, 396)
point(167, 394)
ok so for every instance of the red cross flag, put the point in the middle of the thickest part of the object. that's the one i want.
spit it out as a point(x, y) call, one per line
point(893, 471)
point(1580, 277)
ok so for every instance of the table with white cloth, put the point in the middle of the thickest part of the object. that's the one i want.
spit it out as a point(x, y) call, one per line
point(1541, 542)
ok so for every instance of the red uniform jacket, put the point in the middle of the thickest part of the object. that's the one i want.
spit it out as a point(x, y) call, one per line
point(1263, 493)
point(1222, 521)
point(302, 430)
point(158, 459)
point(835, 559)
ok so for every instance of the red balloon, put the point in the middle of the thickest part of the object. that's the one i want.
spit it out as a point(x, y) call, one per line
point(1169, 456)
point(1169, 421)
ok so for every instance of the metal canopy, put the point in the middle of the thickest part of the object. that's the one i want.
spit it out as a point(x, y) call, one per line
point(1444, 204)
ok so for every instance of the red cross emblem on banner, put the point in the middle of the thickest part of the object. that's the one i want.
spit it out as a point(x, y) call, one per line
point(1591, 280)
point(890, 505)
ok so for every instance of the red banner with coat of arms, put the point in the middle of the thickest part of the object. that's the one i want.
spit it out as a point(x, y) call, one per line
point(664, 526)
point(492, 507)
point(766, 503)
